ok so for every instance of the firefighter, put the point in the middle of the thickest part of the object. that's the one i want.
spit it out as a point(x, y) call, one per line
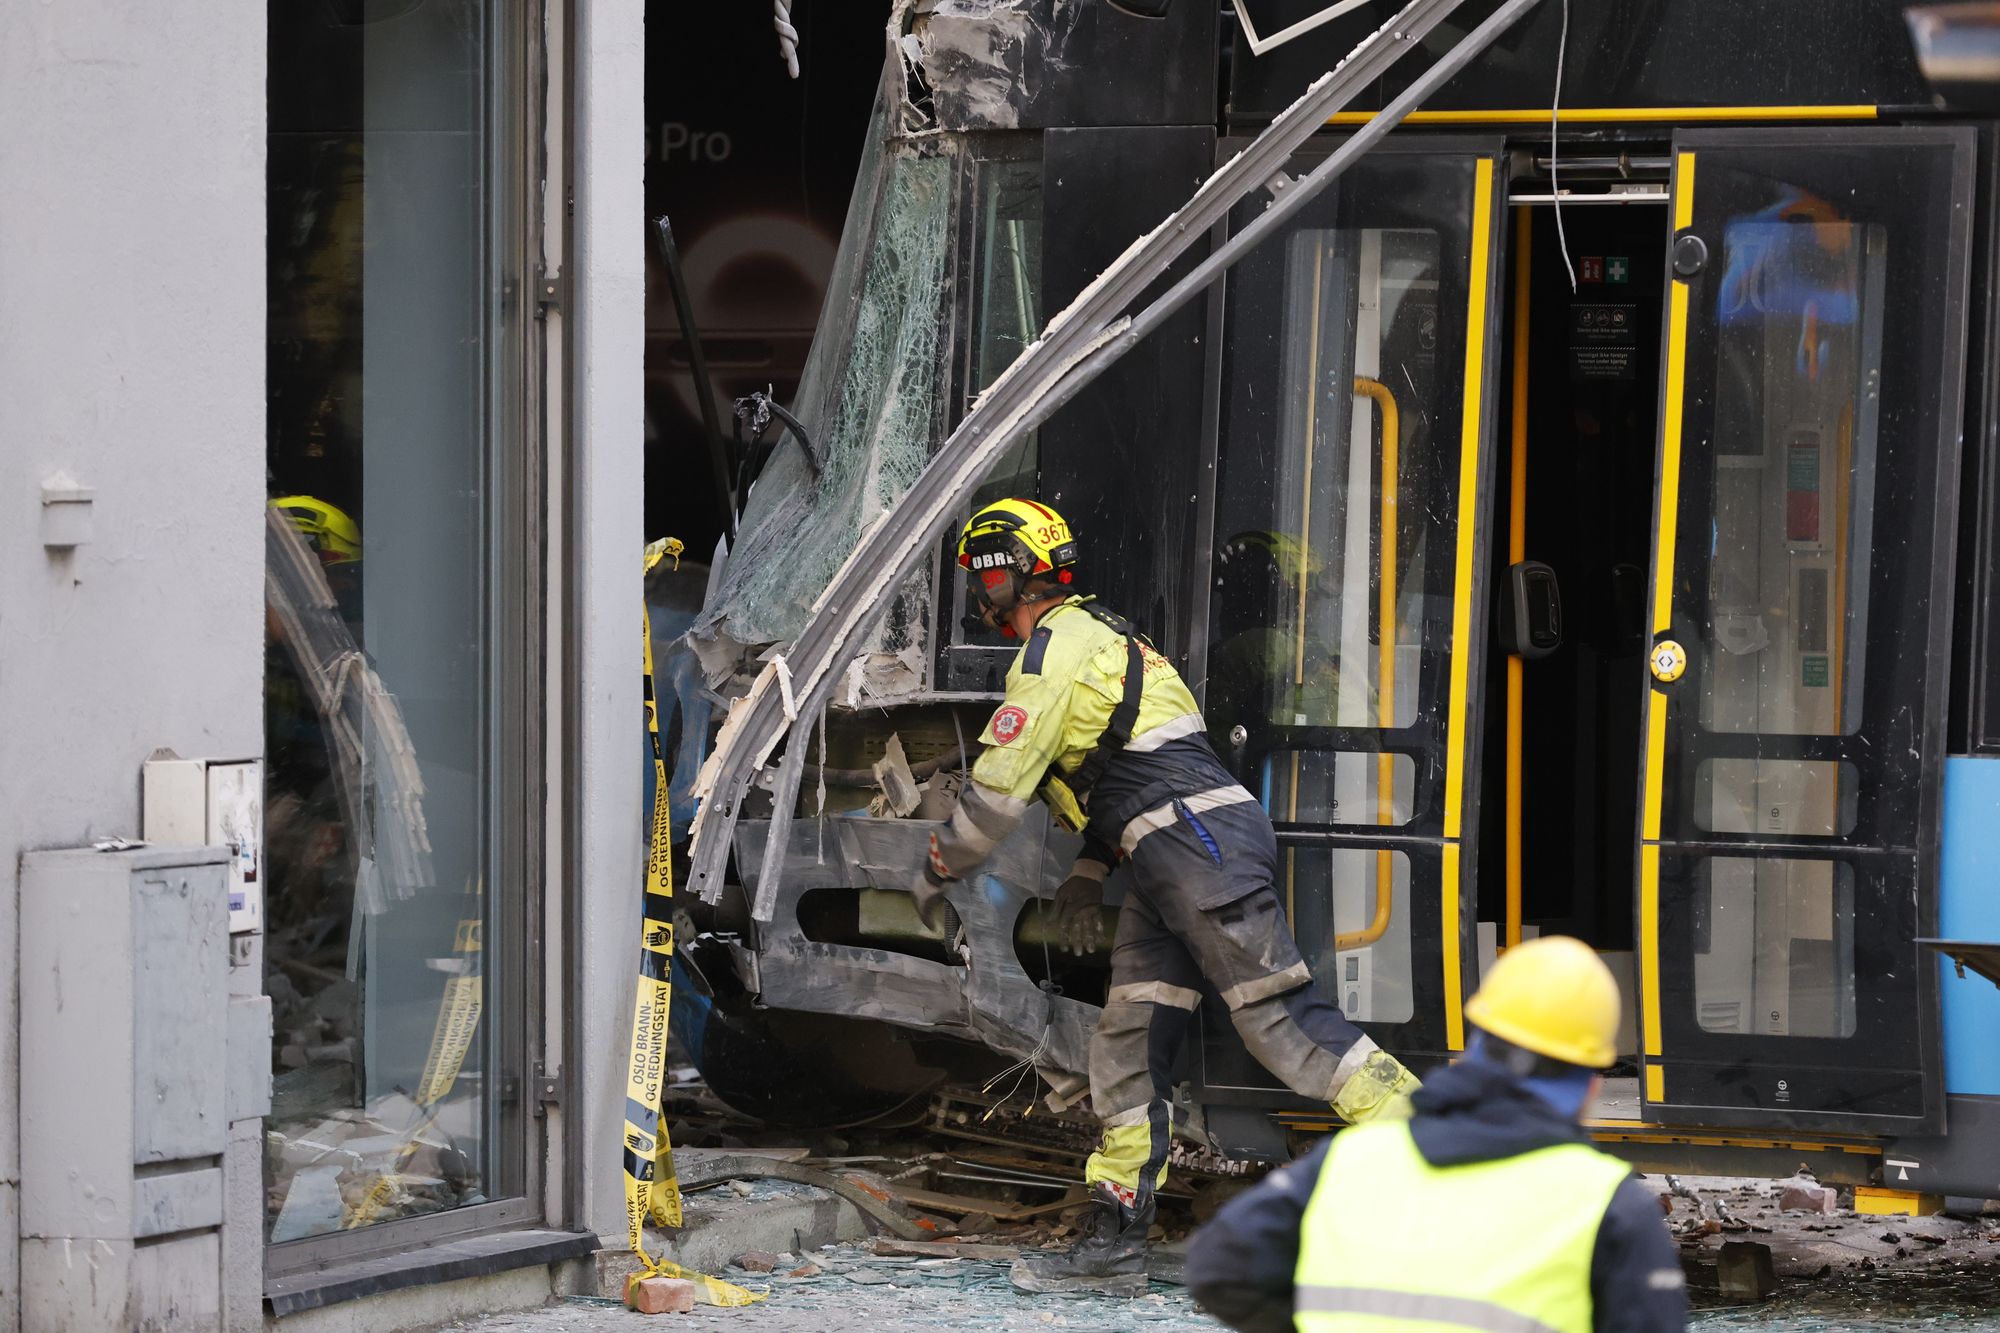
point(1103, 729)
point(1491, 1209)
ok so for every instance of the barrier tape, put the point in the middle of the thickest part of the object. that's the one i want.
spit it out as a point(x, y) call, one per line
point(451, 1038)
point(652, 1188)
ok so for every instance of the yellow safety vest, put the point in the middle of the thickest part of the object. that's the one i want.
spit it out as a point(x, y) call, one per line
point(1391, 1243)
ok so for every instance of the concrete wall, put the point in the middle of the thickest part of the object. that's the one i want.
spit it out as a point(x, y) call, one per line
point(609, 534)
point(132, 357)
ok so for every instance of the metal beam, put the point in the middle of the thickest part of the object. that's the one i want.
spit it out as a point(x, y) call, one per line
point(1078, 345)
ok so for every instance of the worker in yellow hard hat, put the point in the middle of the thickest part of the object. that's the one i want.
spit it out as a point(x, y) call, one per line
point(1101, 728)
point(1491, 1209)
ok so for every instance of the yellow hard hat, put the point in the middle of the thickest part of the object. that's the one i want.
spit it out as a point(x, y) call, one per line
point(333, 534)
point(1292, 558)
point(1553, 996)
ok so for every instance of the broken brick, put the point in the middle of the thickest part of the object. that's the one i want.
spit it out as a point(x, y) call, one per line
point(757, 1261)
point(1799, 1196)
point(660, 1295)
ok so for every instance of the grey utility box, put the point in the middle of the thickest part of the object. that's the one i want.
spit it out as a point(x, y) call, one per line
point(128, 1092)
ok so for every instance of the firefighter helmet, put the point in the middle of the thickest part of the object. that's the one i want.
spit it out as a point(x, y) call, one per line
point(1009, 543)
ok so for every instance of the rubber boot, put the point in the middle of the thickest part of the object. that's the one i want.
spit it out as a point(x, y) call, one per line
point(1108, 1259)
point(1379, 1090)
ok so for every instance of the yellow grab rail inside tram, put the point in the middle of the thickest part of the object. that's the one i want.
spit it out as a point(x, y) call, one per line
point(1385, 685)
point(1517, 551)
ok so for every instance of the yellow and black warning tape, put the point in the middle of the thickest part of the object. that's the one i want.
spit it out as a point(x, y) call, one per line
point(652, 1189)
point(451, 1038)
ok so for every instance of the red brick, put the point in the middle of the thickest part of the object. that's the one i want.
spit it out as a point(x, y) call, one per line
point(1807, 1197)
point(660, 1295)
point(757, 1261)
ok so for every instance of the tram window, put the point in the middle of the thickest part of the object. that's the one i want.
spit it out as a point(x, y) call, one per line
point(1799, 318)
point(1318, 587)
point(1774, 947)
point(1358, 948)
point(1337, 787)
point(1795, 797)
point(1007, 300)
point(1006, 318)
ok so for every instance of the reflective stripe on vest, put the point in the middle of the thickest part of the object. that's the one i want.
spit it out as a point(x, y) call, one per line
point(1390, 1242)
point(1416, 1305)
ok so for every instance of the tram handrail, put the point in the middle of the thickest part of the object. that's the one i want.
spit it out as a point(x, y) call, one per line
point(1385, 685)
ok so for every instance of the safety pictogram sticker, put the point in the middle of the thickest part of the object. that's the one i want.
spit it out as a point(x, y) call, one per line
point(1008, 723)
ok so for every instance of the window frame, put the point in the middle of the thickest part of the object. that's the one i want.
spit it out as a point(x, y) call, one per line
point(517, 88)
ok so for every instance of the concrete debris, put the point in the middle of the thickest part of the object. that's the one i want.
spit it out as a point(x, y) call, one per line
point(1805, 1195)
point(939, 1249)
point(899, 792)
point(1745, 1271)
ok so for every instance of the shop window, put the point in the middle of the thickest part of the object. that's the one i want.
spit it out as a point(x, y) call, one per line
point(397, 613)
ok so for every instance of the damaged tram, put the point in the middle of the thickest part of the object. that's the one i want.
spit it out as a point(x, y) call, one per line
point(1588, 534)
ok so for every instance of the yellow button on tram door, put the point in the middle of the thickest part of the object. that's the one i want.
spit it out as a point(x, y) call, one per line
point(1668, 661)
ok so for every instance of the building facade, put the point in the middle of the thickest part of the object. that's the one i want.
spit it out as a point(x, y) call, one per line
point(324, 447)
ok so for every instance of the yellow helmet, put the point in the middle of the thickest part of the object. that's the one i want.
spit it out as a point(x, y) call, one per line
point(1286, 555)
point(1010, 542)
point(333, 534)
point(1553, 996)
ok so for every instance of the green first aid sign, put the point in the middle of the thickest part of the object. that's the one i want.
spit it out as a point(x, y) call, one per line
point(1617, 268)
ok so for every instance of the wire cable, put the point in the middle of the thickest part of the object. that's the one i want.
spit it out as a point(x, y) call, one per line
point(1555, 115)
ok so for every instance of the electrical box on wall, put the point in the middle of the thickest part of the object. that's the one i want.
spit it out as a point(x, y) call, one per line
point(212, 803)
point(125, 1094)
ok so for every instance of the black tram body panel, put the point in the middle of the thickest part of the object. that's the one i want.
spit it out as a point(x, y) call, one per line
point(1752, 440)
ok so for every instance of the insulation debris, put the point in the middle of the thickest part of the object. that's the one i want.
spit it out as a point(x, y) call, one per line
point(899, 792)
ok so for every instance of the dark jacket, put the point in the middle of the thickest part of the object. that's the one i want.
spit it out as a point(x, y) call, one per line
point(1240, 1265)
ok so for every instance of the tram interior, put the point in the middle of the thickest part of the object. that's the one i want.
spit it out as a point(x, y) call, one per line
point(1592, 391)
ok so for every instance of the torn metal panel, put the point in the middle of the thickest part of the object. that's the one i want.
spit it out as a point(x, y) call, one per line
point(985, 60)
point(990, 998)
point(1045, 64)
point(1075, 346)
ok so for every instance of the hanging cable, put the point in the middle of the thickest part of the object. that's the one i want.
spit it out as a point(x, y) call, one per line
point(1555, 115)
point(788, 36)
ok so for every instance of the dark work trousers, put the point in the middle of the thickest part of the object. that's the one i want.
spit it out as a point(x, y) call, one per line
point(1201, 905)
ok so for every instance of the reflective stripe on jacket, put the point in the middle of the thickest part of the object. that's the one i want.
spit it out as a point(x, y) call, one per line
point(1389, 1242)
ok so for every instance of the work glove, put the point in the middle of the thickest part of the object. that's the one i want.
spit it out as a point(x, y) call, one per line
point(1078, 915)
point(933, 908)
point(1379, 1090)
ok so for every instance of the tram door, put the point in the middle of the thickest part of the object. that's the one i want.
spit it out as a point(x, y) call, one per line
point(1812, 367)
point(1349, 584)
